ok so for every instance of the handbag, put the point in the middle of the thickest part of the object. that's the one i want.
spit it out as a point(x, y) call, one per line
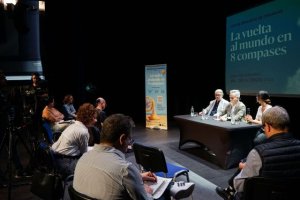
point(48, 186)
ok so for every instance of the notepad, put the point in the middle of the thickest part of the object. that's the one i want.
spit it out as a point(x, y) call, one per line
point(159, 186)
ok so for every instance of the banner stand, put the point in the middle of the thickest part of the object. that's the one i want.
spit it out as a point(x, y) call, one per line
point(156, 96)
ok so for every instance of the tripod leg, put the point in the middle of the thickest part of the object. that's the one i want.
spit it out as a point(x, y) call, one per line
point(4, 146)
point(29, 143)
point(3, 141)
point(3, 179)
point(10, 163)
point(16, 158)
point(21, 139)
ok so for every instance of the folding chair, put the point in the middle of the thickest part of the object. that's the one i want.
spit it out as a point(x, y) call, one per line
point(49, 135)
point(153, 159)
point(46, 167)
point(74, 195)
point(262, 188)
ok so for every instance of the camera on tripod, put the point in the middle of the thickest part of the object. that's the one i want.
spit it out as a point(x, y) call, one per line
point(13, 123)
point(11, 116)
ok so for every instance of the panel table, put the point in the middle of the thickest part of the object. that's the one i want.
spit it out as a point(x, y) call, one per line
point(229, 143)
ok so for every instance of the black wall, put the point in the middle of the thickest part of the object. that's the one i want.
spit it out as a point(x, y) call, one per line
point(108, 46)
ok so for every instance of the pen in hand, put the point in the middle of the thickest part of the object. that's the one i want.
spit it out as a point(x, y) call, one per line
point(151, 174)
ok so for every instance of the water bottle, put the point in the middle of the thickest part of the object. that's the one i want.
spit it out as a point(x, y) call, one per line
point(192, 111)
point(248, 111)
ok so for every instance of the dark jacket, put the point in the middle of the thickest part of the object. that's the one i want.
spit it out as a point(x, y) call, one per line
point(280, 156)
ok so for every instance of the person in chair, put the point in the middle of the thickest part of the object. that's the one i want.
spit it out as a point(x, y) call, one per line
point(69, 110)
point(73, 141)
point(100, 106)
point(104, 173)
point(280, 145)
point(216, 106)
point(263, 98)
point(235, 109)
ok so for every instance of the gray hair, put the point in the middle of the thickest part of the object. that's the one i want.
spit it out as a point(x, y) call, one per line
point(236, 93)
point(219, 91)
point(277, 117)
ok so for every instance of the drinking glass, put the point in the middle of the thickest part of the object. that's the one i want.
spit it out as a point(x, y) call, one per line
point(232, 120)
point(203, 114)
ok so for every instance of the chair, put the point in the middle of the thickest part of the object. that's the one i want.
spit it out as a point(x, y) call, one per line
point(153, 159)
point(74, 195)
point(261, 188)
point(49, 135)
point(47, 182)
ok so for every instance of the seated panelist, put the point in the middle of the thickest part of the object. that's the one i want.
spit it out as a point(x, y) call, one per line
point(216, 106)
point(235, 109)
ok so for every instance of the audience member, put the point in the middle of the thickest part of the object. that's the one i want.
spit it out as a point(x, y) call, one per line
point(94, 135)
point(53, 116)
point(235, 109)
point(216, 106)
point(280, 145)
point(95, 130)
point(73, 141)
point(105, 165)
point(68, 107)
point(264, 100)
point(100, 106)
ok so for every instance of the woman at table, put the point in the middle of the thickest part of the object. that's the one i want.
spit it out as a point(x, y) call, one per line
point(263, 99)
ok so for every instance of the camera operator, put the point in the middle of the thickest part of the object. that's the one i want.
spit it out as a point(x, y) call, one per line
point(33, 96)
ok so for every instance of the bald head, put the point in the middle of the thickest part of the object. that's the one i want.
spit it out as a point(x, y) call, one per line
point(100, 103)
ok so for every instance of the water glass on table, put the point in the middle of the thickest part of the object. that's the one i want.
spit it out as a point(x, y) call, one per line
point(232, 120)
point(203, 113)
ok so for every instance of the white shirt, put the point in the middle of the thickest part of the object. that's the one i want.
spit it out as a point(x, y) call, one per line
point(252, 167)
point(221, 107)
point(104, 173)
point(73, 140)
point(259, 112)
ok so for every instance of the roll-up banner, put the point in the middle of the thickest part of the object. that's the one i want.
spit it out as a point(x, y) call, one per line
point(156, 96)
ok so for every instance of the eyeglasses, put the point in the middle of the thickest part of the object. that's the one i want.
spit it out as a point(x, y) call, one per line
point(130, 141)
point(263, 126)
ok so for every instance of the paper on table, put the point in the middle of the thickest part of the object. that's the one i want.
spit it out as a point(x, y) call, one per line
point(66, 121)
point(159, 186)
